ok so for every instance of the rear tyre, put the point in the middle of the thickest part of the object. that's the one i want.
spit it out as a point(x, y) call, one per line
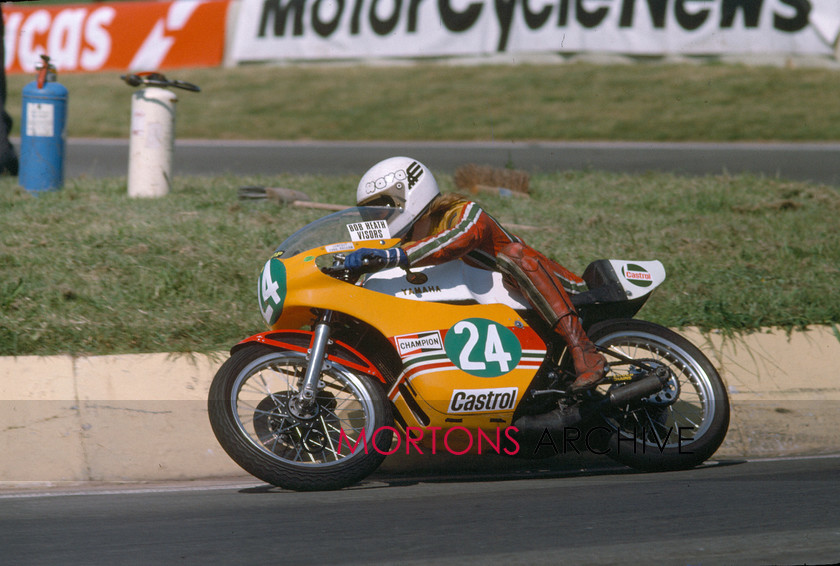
point(335, 443)
point(677, 428)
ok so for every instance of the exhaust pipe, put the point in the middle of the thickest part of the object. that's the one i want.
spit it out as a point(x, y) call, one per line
point(564, 417)
point(553, 421)
point(645, 387)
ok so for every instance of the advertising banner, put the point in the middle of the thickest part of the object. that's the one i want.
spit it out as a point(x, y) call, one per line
point(98, 36)
point(340, 29)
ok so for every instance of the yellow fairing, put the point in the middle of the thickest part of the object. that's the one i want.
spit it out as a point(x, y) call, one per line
point(463, 365)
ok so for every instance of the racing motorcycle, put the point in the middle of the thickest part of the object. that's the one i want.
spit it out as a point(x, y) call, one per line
point(360, 365)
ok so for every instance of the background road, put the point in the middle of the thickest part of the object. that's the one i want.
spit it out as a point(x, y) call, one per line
point(812, 162)
point(755, 512)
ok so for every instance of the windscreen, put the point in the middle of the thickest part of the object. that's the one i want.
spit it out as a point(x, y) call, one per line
point(351, 225)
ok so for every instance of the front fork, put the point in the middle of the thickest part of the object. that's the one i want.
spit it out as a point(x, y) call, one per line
point(305, 402)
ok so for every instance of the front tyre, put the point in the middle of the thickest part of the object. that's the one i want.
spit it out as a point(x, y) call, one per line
point(681, 426)
point(336, 442)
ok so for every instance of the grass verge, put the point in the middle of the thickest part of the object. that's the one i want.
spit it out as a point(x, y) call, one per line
point(87, 270)
point(648, 102)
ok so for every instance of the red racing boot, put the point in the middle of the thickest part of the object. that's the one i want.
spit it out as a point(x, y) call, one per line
point(590, 365)
point(539, 279)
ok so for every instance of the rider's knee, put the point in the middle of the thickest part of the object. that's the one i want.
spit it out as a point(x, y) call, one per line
point(525, 257)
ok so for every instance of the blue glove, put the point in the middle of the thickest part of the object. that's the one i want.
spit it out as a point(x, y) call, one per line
point(370, 259)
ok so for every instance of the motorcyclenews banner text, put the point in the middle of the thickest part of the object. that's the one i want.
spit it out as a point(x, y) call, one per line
point(503, 442)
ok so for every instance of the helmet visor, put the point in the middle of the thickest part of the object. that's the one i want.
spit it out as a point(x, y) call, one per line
point(393, 197)
point(377, 212)
point(380, 200)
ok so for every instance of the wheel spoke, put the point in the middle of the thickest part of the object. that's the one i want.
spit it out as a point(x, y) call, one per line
point(684, 417)
point(328, 437)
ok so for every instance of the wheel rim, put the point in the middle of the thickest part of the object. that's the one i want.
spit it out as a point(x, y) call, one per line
point(263, 410)
point(663, 421)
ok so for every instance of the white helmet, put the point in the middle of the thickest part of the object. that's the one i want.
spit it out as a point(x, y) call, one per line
point(400, 182)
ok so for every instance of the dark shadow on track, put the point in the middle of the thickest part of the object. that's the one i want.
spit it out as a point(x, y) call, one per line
point(402, 471)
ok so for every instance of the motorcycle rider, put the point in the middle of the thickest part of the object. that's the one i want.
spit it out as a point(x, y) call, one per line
point(437, 228)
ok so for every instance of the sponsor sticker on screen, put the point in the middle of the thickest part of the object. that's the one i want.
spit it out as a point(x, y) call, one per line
point(370, 230)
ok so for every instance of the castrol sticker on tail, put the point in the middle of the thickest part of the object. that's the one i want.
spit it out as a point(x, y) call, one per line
point(637, 275)
point(638, 278)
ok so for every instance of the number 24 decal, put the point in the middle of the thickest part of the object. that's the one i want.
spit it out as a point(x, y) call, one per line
point(482, 347)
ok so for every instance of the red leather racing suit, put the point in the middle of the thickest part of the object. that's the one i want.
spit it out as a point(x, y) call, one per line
point(462, 230)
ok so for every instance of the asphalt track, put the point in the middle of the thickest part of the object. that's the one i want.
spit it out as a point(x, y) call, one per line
point(819, 162)
point(782, 511)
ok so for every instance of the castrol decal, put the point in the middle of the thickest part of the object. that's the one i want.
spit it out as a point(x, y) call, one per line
point(483, 400)
point(637, 275)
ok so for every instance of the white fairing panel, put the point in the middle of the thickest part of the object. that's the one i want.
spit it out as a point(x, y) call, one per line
point(454, 281)
point(458, 282)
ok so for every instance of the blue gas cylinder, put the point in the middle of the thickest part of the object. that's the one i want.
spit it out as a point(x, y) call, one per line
point(42, 125)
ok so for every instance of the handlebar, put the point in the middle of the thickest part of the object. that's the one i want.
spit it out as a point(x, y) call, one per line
point(338, 271)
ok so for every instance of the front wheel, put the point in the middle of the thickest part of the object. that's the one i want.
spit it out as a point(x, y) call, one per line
point(677, 428)
point(334, 442)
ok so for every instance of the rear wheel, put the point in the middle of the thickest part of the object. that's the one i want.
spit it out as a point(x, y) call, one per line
point(332, 443)
point(677, 428)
